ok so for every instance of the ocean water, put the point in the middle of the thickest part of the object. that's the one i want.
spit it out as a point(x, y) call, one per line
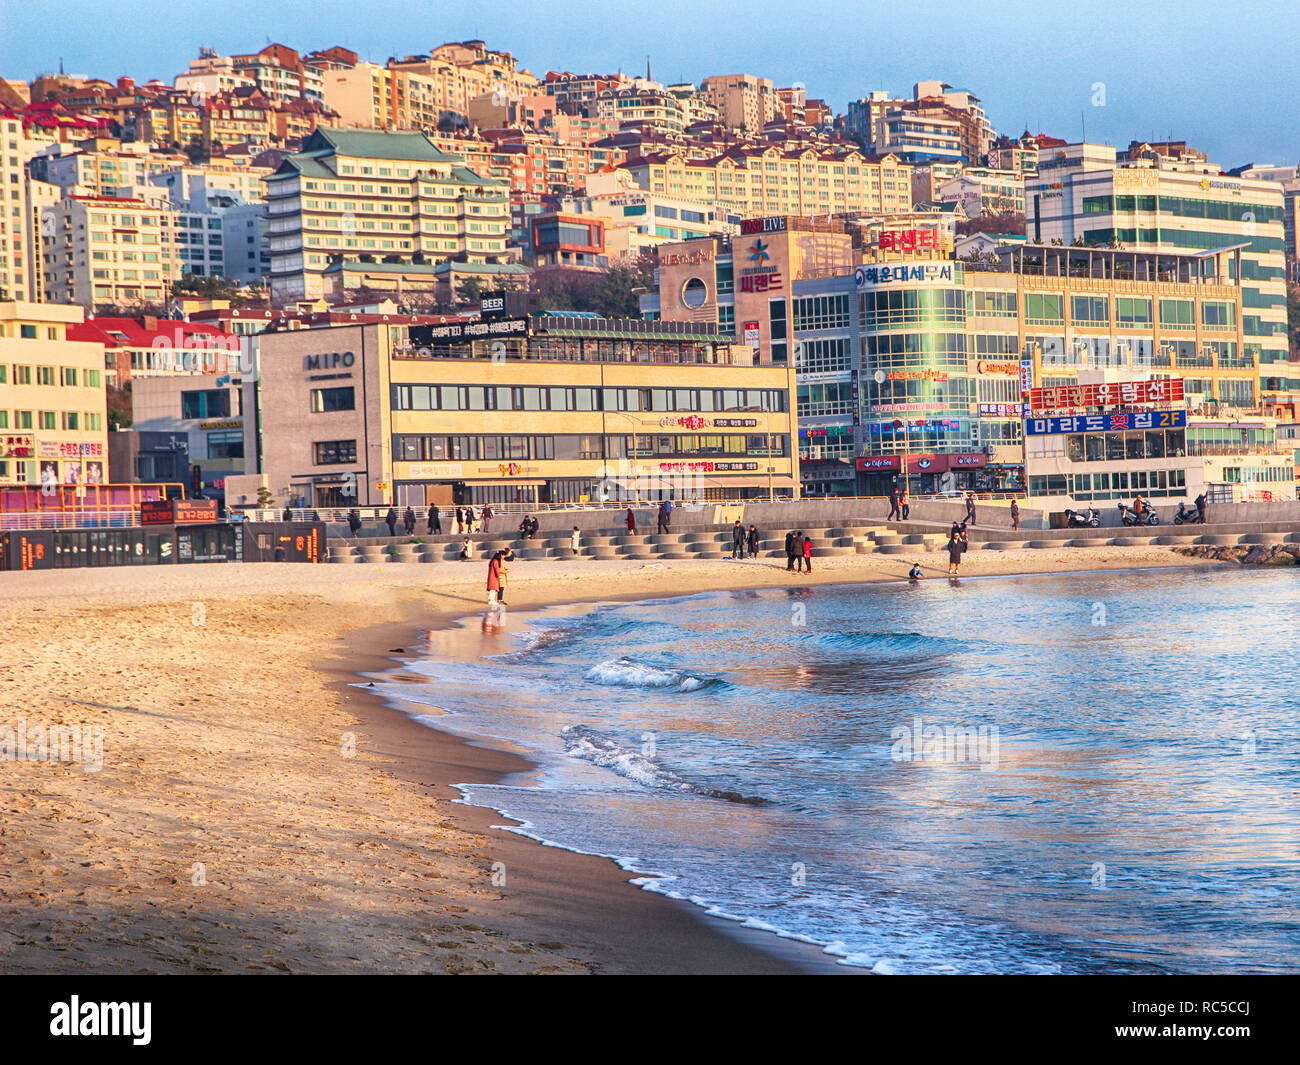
point(1065, 774)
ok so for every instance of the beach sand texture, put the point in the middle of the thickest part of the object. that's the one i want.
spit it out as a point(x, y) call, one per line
point(257, 813)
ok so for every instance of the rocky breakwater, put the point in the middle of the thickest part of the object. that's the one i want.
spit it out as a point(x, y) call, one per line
point(1247, 554)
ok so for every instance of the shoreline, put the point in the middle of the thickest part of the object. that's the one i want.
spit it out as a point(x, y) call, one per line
point(223, 748)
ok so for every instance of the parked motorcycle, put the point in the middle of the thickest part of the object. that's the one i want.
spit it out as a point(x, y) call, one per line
point(1130, 517)
point(1187, 515)
point(1076, 518)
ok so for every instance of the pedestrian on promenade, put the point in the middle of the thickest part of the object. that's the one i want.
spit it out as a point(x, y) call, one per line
point(894, 512)
point(287, 515)
point(738, 540)
point(408, 521)
point(487, 515)
point(970, 508)
point(1202, 506)
point(905, 502)
point(460, 520)
point(1015, 514)
point(631, 522)
point(435, 521)
point(390, 519)
point(354, 523)
point(665, 510)
point(789, 551)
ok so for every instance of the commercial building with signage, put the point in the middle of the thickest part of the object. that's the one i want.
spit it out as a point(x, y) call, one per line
point(513, 410)
point(207, 411)
point(53, 411)
point(948, 349)
point(1158, 203)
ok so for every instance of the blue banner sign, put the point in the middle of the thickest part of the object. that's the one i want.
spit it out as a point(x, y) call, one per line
point(1106, 423)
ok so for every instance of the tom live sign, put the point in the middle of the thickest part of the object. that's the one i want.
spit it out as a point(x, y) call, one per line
point(750, 226)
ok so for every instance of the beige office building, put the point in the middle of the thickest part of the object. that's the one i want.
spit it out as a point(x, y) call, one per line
point(533, 410)
point(53, 413)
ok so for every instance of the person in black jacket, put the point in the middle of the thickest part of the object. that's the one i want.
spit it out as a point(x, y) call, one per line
point(435, 521)
point(789, 551)
point(894, 512)
point(738, 540)
point(287, 515)
point(753, 541)
point(390, 519)
point(354, 522)
point(408, 521)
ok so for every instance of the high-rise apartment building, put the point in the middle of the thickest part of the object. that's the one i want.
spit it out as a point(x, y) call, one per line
point(1158, 203)
point(391, 199)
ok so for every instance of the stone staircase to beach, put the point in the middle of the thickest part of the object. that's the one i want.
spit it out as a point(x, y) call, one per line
point(714, 542)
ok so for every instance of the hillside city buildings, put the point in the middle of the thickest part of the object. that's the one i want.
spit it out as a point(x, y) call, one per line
point(335, 278)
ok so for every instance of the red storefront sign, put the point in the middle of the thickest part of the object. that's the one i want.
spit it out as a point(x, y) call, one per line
point(924, 463)
point(1074, 397)
point(877, 463)
point(908, 239)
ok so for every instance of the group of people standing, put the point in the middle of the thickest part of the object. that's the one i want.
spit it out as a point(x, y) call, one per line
point(663, 516)
point(742, 539)
point(798, 552)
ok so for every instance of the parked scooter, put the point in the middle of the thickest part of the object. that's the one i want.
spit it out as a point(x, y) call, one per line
point(1076, 518)
point(1187, 515)
point(1129, 517)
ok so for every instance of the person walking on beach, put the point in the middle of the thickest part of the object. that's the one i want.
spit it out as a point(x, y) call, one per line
point(753, 541)
point(905, 502)
point(390, 519)
point(789, 551)
point(408, 521)
point(738, 540)
point(575, 541)
point(354, 523)
point(631, 522)
point(798, 550)
point(1015, 514)
point(494, 580)
point(894, 512)
point(955, 548)
point(970, 508)
point(807, 553)
point(435, 521)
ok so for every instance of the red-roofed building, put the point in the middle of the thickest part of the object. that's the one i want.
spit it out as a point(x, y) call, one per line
point(154, 347)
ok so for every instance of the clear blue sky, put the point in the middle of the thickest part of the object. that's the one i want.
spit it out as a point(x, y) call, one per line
point(1224, 77)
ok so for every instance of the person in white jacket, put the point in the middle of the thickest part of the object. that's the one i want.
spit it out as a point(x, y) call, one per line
point(575, 541)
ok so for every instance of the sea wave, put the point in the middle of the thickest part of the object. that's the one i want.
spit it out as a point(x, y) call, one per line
point(885, 642)
point(627, 672)
point(582, 741)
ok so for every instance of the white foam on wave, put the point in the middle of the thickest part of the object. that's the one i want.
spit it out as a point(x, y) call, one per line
point(629, 673)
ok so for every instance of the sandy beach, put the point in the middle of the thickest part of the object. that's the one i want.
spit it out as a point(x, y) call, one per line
point(257, 812)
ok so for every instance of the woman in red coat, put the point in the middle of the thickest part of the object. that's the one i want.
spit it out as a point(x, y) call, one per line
point(631, 522)
point(494, 580)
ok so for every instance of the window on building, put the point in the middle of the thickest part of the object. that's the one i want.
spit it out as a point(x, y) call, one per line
point(324, 400)
point(206, 403)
